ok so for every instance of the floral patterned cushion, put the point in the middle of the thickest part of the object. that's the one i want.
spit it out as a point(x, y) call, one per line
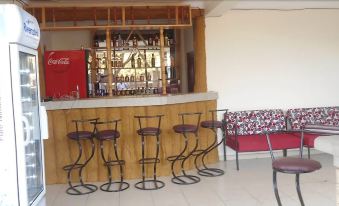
point(328, 116)
point(254, 122)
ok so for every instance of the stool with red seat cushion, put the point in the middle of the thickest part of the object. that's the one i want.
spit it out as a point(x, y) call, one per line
point(291, 165)
point(149, 131)
point(111, 135)
point(186, 129)
point(213, 125)
point(80, 137)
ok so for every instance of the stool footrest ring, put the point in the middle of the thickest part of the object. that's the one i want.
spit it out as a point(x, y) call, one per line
point(114, 162)
point(149, 161)
point(172, 158)
point(72, 166)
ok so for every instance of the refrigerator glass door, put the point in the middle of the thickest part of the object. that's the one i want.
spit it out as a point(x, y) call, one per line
point(31, 125)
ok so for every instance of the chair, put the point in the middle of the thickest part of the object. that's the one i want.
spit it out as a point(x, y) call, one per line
point(213, 125)
point(111, 135)
point(291, 165)
point(80, 136)
point(149, 131)
point(185, 129)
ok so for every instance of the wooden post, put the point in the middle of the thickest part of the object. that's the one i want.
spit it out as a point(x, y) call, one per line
point(41, 73)
point(162, 61)
point(109, 63)
point(199, 55)
point(43, 17)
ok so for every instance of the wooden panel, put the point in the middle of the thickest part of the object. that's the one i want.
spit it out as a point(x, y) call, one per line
point(200, 55)
point(59, 151)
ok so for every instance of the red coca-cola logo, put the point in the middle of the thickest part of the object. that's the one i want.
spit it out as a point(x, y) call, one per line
point(58, 62)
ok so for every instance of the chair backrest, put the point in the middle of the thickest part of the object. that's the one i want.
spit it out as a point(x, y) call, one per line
point(82, 122)
point(326, 116)
point(149, 121)
point(254, 121)
point(194, 116)
point(113, 123)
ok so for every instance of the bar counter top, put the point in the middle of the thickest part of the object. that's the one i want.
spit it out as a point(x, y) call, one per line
point(130, 101)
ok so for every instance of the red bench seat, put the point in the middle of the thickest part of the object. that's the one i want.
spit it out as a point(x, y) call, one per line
point(253, 143)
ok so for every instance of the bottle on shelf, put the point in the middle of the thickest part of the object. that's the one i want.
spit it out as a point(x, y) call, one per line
point(96, 41)
point(126, 78)
point(149, 76)
point(142, 77)
point(122, 78)
point(153, 60)
point(139, 62)
point(156, 40)
point(135, 41)
point(103, 61)
point(132, 61)
point(120, 42)
point(114, 41)
point(97, 61)
point(150, 40)
point(132, 78)
point(166, 40)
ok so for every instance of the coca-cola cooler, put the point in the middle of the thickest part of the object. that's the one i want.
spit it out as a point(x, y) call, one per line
point(66, 74)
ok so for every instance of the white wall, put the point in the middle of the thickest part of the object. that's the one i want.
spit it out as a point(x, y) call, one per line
point(274, 59)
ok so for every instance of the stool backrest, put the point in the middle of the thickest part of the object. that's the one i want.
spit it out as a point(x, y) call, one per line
point(144, 120)
point(113, 122)
point(84, 121)
point(184, 116)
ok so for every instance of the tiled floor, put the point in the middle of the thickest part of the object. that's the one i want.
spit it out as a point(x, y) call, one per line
point(251, 186)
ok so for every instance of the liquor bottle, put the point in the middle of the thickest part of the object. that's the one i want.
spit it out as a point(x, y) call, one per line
point(132, 78)
point(96, 41)
point(153, 60)
point(135, 41)
point(126, 78)
point(133, 61)
point(114, 41)
point(139, 62)
point(103, 61)
point(142, 77)
point(97, 61)
point(122, 78)
point(166, 40)
point(120, 42)
point(156, 40)
point(149, 77)
point(150, 40)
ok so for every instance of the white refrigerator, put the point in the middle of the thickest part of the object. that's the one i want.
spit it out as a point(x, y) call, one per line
point(22, 180)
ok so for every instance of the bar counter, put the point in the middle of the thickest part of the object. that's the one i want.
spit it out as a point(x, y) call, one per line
point(59, 151)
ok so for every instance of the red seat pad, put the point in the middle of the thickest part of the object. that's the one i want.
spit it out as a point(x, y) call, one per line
point(308, 138)
point(252, 143)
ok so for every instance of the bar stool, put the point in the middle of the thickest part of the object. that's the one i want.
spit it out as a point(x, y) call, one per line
point(213, 125)
point(185, 129)
point(111, 135)
point(80, 137)
point(149, 132)
point(291, 165)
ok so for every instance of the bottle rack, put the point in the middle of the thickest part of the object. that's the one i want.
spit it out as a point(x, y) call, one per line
point(135, 62)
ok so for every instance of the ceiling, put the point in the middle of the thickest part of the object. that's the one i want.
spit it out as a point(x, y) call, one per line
point(212, 7)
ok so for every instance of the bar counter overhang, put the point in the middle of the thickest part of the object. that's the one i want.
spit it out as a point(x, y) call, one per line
point(59, 151)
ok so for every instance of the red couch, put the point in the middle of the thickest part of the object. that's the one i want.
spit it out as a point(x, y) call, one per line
point(324, 116)
point(244, 132)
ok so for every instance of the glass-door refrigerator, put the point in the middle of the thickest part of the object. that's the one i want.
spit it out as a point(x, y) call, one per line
point(21, 146)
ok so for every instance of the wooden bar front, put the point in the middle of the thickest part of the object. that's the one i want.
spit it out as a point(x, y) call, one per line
point(60, 151)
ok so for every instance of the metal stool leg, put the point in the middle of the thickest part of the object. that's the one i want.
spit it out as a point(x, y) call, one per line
point(109, 186)
point(82, 188)
point(157, 184)
point(206, 171)
point(298, 189)
point(186, 179)
point(276, 187)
